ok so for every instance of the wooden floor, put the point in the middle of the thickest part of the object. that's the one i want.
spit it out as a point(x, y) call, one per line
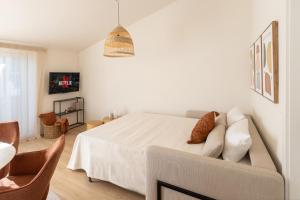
point(74, 185)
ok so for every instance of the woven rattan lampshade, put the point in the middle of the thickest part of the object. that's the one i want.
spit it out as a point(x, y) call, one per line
point(119, 43)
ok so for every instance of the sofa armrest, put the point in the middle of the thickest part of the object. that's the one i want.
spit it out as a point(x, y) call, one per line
point(214, 178)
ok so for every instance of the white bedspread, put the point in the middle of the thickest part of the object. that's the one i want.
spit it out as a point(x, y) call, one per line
point(115, 152)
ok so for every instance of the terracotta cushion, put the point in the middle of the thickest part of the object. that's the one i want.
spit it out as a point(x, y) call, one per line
point(203, 127)
point(13, 182)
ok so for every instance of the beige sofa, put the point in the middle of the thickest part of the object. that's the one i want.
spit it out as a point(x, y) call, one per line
point(176, 175)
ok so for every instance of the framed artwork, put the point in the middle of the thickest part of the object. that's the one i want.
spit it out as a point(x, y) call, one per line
point(252, 67)
point(258, 66)
point(270, 62)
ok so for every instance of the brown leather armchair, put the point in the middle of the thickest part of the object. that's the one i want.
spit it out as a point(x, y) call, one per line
point(9, 133)
point(30, 174)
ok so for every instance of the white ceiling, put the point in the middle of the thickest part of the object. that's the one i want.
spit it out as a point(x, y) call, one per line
point(68, 24)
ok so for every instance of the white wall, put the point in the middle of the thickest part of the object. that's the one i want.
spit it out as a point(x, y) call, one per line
point(57, 61)
point(269, 117)
point(189, 55)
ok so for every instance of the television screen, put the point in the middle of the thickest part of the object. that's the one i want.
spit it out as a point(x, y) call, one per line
point(62, 82)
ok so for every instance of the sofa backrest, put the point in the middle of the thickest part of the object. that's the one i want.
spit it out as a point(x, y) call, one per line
point(258, 153)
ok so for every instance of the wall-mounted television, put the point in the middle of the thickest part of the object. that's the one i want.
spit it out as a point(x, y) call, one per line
point(63, 82)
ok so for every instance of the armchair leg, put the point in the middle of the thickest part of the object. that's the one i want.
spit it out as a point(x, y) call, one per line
point(90, 180)
point(46, 194)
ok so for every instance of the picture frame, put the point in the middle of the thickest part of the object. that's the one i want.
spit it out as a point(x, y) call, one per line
point(258, 66)
point(252, 67)
point(270, 64)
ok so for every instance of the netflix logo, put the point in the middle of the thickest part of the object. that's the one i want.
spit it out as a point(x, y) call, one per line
point(65, 83)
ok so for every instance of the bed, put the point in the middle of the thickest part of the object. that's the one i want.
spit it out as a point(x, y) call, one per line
point(116, 151)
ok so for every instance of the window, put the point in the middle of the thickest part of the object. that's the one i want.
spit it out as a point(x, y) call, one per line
point(19, 89)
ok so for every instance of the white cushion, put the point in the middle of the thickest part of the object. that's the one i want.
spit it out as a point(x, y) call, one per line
point(237, 141)
point(214, 143)
point(234, 115)
point(222, 119)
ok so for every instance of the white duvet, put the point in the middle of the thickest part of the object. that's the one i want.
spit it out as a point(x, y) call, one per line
point(115, 152)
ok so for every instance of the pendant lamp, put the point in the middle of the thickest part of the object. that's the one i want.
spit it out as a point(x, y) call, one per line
point(119, 42)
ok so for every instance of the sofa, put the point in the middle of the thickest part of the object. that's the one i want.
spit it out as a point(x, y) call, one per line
point(176, 175)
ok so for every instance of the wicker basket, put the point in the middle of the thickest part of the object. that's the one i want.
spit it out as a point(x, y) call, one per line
point(50, 132)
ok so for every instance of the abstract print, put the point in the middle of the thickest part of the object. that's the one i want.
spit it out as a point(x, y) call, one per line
point(252, 67)
point(258, 67)
point(269, 63)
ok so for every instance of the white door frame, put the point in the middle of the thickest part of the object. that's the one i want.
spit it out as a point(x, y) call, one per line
point(291, 168)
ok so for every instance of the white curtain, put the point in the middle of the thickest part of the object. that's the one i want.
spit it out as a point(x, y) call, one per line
point(19, 89)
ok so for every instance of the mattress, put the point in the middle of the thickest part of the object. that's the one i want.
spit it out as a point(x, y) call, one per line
point(115, 151)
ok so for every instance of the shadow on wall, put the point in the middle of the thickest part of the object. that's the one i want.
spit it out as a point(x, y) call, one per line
point(267, 140)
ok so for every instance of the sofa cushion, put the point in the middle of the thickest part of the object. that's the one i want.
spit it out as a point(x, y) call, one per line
point(237, 141)
point(214, 144)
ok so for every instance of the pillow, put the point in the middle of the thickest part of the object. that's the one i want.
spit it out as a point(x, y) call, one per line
point(222, 119)
point(214, 144)
point(202, 128)
point(237, 141)
point(234, 115)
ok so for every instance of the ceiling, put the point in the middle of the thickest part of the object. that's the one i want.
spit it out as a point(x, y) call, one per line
point(68, 24)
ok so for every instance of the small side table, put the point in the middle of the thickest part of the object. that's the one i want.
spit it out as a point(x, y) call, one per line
point(93, 124)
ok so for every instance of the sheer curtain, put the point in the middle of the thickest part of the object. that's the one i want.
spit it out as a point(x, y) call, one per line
point(19, 89)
